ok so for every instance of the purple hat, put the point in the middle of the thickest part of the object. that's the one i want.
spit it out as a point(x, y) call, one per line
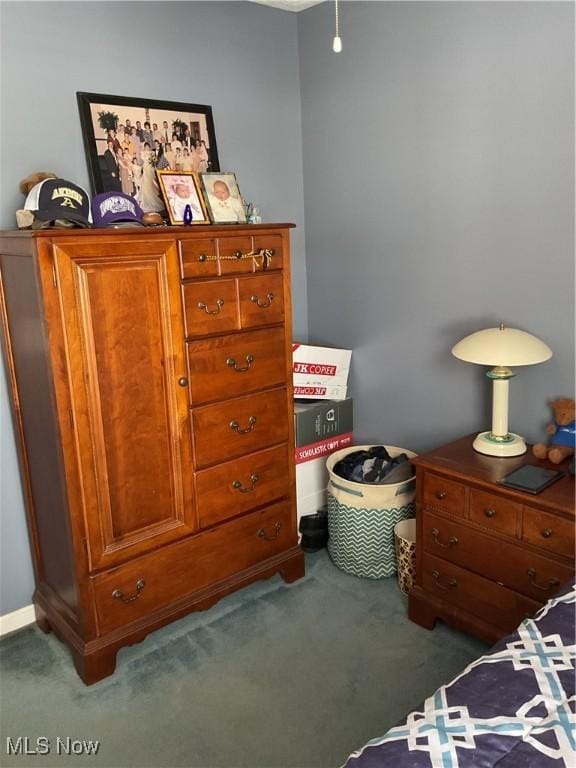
point(110, 209)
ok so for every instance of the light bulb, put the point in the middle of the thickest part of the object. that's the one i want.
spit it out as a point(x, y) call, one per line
point(337, 44)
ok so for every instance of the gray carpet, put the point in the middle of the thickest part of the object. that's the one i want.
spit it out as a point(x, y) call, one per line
point(274, 676)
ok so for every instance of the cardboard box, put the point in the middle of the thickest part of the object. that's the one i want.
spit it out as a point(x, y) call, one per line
point(320, 372)
point(316, 421)
point(311, 482)
point(320, 429)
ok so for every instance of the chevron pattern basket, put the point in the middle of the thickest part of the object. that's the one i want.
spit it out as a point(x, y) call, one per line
point(361, 520)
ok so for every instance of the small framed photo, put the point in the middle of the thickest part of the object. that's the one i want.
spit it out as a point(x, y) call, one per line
point(180, 189)
point(223, 197)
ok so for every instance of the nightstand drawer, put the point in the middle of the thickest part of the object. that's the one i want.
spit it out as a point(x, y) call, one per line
point(444, 495)
point(548, 531)
point(506, 563)
point(485, 599)
point(494, 512)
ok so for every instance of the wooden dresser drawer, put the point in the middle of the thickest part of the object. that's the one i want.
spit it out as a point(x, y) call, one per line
point(485, 599)
point(494, 512)
point(198, 258)
point(210, 307)
point(273, 245)
point(234, 365)
point(531, 574)
point(230, 252)
point(444, 495)
point(154, 581)
point(261, 300)
point(235, 487)
point(240, 426)
point(550, 532)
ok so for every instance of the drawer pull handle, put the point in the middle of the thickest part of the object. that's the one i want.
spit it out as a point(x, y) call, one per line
point(231, 363)
point(237, 485)
point(262, 304)
point(452, 541)
point(440, 495)
point(550, 584)
point(235, 427)
point(119, 595)
point(219, 305)
point(183, 381)
point(202, 257)
point(449, 584)
point(238, 254)
point(546, 533)
point(263, 535)
point(490, 512)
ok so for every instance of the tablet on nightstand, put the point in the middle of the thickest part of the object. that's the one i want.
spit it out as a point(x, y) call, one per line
point(530, 478)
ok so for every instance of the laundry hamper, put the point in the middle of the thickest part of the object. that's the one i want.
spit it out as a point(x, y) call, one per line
point(362, 516)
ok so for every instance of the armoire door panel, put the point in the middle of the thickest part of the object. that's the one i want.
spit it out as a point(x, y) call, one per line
point(130, 413)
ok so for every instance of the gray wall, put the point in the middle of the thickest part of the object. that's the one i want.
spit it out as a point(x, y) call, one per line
point(238, 57)
point(439, 197)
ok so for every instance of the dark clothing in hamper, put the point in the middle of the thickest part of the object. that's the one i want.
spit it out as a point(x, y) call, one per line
point(374, 466)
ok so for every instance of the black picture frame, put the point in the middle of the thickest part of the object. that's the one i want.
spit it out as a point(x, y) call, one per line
point(100, 111)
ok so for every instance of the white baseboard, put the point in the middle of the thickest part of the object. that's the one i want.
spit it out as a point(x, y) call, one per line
point(10, 622)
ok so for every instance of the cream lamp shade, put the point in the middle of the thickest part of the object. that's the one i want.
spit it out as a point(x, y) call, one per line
point(501, 347)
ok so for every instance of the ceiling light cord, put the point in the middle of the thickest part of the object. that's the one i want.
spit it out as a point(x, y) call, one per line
point(337, 42)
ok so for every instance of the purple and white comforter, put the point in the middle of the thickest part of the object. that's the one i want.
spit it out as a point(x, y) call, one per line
point(512, 708)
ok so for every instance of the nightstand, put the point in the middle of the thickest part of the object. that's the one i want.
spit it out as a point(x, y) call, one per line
point(487, 556)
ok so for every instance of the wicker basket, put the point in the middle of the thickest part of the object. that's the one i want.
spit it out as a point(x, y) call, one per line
point(362, 516)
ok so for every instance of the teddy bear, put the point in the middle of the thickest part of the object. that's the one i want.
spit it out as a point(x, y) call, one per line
point(562, 430)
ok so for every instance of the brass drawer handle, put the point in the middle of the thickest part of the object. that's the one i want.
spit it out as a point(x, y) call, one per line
point(546, 533)
point(490, 512)
point(440, 495)
point(449, 584)
point(219, 305)
point(231, 363)
point(263, 304)
point(262, 533)
point(235, 427)
point(119, 595)
point(550, 584)
point(237, 485)
point(452, 541)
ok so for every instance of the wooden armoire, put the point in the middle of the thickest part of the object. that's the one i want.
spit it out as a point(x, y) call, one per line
point(151, 378)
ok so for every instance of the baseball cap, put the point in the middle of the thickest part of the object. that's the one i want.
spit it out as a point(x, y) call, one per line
point(113, 209)
point(58, 200)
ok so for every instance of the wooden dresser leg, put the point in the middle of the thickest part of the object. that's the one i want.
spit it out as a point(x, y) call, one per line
point(42, 620)
point(420, 612)
point(95, 666)
point(293, 569)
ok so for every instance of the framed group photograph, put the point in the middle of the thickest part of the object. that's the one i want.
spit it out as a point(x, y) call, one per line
point(128, 139)
point(179, 190)
point(222, 195)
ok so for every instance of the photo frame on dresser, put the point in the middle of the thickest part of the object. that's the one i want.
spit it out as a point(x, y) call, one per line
point(223, 198)
point(180, 190)
point(127, 139)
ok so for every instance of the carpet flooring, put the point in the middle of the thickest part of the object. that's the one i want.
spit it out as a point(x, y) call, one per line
point(273, 676)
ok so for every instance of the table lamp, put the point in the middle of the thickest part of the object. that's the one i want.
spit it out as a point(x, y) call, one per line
point(501, 347)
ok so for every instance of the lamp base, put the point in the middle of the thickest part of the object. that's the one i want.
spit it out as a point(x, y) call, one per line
point(491, 445)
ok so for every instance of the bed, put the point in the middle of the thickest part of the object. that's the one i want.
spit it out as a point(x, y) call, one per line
point(512, 708)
